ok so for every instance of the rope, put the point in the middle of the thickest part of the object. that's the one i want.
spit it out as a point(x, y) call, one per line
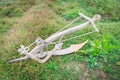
point(68, 25)
point(78, 36)
point(27, 47)
point(31, 44)
point(60, 40)
point(46, 48)
point(63, 29)
point(50, 42)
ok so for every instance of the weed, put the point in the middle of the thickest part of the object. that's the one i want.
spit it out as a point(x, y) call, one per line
point(52, 66)
point(98, 48)
point(92, 61)
point(72, 14)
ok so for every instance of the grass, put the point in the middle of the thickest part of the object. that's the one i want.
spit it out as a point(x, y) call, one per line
point(14, 8)
point(23, 22)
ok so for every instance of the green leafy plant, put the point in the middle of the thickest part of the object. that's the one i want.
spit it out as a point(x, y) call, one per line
point(52, 65)
point(92, 61)
point(98, 48)
point(72, 14)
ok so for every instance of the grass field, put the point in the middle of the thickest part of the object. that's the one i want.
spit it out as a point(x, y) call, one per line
point(21, 21)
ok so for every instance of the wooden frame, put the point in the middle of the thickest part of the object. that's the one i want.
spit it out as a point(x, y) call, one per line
point(38, 54)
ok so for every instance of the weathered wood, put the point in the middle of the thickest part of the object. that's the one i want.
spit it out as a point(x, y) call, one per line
point(33, 54)
point(69, 50)
point(19, 59)
point(74, 29)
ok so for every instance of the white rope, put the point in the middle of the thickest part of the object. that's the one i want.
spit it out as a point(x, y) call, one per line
point(31, 44)
point(50, 42)
point(46, 48)
point(78, 36)
point(60, 40)
point(27, 47)
point(68, 25)
point(63, 29)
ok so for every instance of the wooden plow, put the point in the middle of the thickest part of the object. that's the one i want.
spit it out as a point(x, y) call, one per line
point(38, 54)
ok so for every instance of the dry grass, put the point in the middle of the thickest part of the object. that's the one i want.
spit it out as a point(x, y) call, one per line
point(27, 28)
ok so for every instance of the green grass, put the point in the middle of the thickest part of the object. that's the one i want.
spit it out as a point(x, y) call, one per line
point(14, 8)
point(23, 22)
